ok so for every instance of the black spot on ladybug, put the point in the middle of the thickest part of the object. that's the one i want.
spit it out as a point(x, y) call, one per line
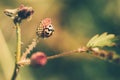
point(44, 32)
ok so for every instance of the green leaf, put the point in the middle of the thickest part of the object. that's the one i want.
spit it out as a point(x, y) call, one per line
point(102, 40)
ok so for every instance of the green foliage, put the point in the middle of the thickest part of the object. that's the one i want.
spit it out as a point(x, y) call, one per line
point(102, 40)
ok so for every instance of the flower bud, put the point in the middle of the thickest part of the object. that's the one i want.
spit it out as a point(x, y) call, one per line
point(38, 59)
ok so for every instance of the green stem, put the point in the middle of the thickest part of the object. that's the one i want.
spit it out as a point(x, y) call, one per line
point(18, 35)
point(18, 52)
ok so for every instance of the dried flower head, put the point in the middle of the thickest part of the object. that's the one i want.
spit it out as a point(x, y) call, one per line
point(45, 28)
point(38, 59)
point(20, 13)
point(25, 12)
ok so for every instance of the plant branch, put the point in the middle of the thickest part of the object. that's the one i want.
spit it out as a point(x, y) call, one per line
point(101, 54)
point(18, 34)
point(18, 52)
point(15, 73)
point(82, 49)
point(24, 62)
point(30, 47)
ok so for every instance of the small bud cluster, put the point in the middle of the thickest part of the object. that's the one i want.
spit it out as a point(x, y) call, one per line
point(103, 53)
point(110, 56)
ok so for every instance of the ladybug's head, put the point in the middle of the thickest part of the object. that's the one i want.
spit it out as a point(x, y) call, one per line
point(47, 31)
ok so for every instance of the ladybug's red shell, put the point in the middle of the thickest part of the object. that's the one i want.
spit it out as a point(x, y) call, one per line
point(45, 30)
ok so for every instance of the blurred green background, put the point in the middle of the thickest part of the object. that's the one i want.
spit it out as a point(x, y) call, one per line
point(75, 22)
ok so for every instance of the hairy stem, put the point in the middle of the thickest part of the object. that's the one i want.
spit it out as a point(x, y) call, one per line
point(18, 52)
point(30, 47)
point(18, 34)
point(61, 54)
point(82, 49)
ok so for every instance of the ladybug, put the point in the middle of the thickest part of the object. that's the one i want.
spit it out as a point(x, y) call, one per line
point(45, 29)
